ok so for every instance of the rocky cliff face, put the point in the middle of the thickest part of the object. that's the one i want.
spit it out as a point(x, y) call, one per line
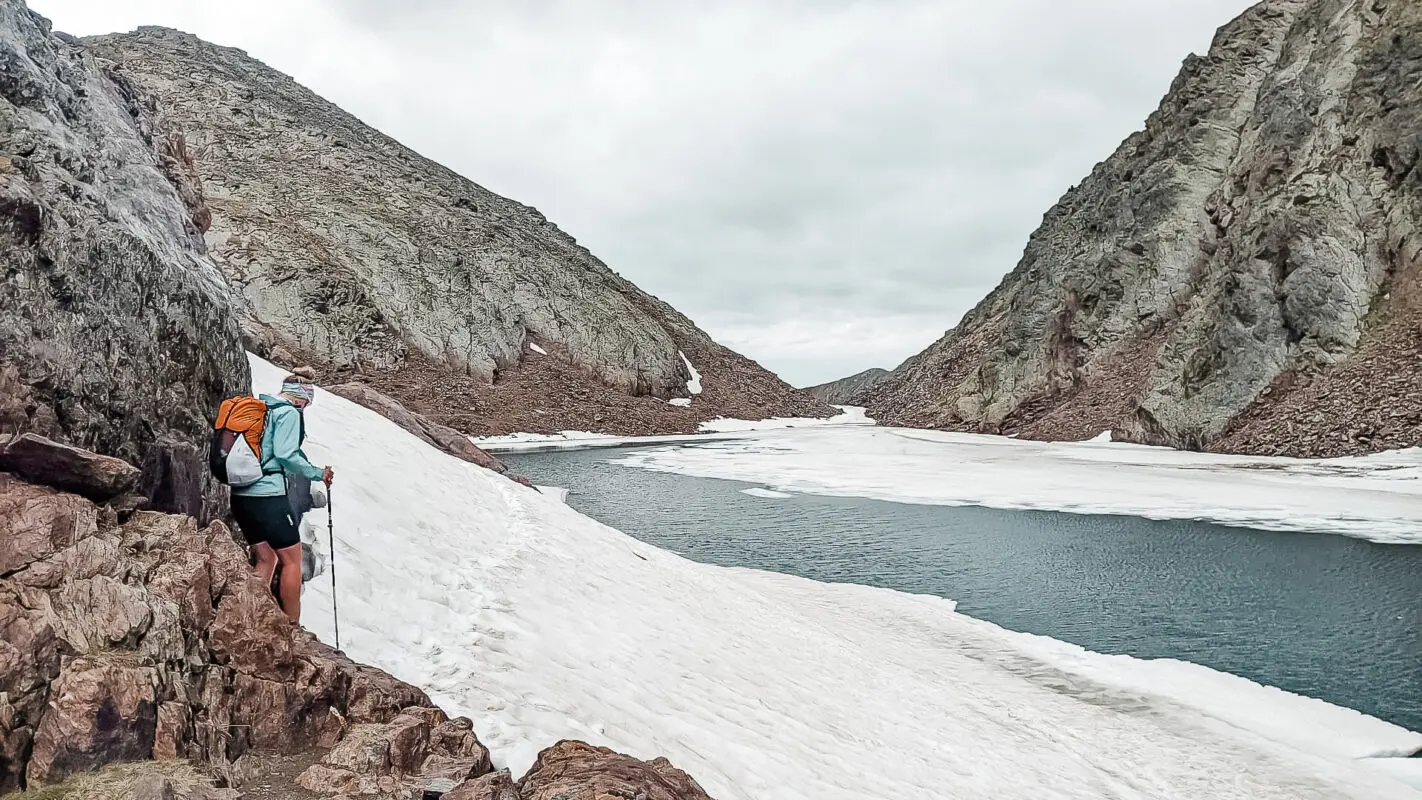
point(354, 251)
point(116, 332)
point(1242, 274)
point(845, 390)
point(151, 638)
point(128, 636)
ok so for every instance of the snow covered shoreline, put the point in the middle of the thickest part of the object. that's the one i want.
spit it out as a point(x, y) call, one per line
point(1378, 498)
point(539, 623)
point(718, 429)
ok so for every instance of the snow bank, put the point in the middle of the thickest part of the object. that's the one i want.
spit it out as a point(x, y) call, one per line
point(1407, 770)
point(577, 440)
point(1375, 498)
point(718, 429)
point(523, 438)
point(715, 430)
point(540, 624)
point(849, 415)
point(693, 385)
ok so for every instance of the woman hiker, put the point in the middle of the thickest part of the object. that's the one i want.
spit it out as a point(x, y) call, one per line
point(262, 509)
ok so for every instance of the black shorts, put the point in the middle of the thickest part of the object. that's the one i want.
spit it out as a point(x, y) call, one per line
point(266, 519)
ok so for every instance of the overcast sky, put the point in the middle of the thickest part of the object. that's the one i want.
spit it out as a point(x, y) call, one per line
point(823, 185)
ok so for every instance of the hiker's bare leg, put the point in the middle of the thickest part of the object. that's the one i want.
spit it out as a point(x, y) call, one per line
point(291, 581)
point(266, 562)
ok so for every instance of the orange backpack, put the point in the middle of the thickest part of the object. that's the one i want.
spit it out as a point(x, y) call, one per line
point(235, 454)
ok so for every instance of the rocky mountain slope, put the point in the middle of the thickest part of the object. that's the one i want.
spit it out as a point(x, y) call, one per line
point(116, 332)
point(362, 256)
point(840, 392)
point(1243, 274)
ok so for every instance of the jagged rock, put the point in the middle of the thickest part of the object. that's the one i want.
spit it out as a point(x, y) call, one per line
point(432, 433)
point(49, 463)
point(100, 712)
point(431, 286)
point(494, 786)
point(571, 770)
point(1253, 255)
point(117, 334)
point(36, 523)
point(152, 638)
point(419, 744)
point(845, 390)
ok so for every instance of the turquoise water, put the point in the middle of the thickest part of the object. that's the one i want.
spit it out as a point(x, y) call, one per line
point(1326, 616)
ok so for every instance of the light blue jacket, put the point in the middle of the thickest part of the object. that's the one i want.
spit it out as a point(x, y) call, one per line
point(281, 451)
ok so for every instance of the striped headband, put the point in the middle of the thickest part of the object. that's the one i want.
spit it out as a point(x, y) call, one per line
point(305, 390)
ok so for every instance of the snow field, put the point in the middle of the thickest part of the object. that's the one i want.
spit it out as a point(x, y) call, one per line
point(540, 624)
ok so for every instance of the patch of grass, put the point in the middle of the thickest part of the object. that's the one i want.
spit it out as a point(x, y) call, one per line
point(117, 782)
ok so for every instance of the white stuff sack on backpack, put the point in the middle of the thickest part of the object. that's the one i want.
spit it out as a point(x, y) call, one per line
point(243, 466)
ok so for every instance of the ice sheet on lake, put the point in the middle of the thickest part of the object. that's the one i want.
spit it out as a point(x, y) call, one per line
point(1375, 497)
point(540, 624)
point(577, 440)
point(714, 430)
point(848, 415)
point(521, 438)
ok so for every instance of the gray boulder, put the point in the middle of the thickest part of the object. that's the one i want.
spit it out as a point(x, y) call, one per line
point(117, 333)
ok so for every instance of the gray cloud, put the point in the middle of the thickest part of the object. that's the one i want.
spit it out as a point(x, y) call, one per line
point(826, 186)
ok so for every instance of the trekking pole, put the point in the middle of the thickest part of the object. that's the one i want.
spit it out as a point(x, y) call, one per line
point(331, 537)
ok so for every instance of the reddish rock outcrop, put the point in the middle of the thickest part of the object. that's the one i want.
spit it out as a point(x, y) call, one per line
point(419, 745)
point(494, 786)
point(43, 461)
point(578, 771)
point(101, 710)
point(151, 637)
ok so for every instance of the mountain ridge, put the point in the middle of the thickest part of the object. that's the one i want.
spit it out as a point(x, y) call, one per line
point(1224, 279)
point(379, 264)
point(845, 390)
